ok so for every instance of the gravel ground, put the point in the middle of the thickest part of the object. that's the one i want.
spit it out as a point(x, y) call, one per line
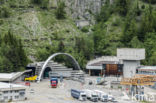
point(44, 94)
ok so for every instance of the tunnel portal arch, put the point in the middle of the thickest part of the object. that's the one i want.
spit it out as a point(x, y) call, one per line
point(76, 65)
point(46, 72)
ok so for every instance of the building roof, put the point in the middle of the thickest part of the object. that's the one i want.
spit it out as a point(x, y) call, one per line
point(82, 23)
point(147, 68)
point(8, 75)
point(104, 59)
point(10, 86)
point(11, 76)
point(131, 53)
point(98, 62)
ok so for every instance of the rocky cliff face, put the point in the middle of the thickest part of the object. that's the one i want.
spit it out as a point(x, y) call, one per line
point(84, 9)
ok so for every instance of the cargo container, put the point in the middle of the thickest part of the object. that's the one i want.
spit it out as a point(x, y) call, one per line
point(80, 95)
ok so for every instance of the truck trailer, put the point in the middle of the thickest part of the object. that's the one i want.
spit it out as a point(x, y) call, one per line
point(102, 95)
point(80, 95)
point(91, 95)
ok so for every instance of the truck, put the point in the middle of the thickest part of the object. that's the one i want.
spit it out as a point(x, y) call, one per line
point(54, 82)
point(102, 95)
point(80, 95)
point(91, 95)
point(111, 98)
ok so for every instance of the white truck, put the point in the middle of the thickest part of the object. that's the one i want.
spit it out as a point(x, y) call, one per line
point(80, 95)
point(102, 95)
point(91, 95)
point(111, 98)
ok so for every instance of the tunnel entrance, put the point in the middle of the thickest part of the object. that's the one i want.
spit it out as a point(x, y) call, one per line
point(46, 72)
point(75, 63)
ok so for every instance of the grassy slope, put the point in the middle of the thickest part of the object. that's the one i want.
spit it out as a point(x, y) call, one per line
point(34, 24)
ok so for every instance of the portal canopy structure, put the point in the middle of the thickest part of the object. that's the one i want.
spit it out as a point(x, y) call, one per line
point(76, 65)
point(131, 60)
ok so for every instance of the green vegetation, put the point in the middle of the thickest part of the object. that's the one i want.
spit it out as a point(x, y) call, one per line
point(82, 50)
point(45, 28)
point(149, 1)
point(4, 12)
point(12, 55)
point(37, 2)
point(42, 3)
point(126, 23)
point(60, 11)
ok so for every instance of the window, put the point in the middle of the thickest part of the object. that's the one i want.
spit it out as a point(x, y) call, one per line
point(16, 97)
point(11, 97)
point(5, 97)
point(5, 92)
point(16, 91)
point(22, 93)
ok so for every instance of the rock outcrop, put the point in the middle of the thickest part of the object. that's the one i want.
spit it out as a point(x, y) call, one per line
point(84, 9)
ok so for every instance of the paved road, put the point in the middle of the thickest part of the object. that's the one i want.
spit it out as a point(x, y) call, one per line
point(44, 94)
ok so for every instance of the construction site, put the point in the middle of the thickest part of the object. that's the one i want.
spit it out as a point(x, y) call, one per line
point(111, 79)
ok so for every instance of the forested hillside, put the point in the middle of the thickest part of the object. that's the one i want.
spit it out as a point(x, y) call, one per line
point(43, 27)
point(127, 23)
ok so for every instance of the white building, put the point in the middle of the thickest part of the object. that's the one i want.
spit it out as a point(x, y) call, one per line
point(11, 92)
point(147, 70)
point(4, 77)
point(10, 77)
point(131, 59)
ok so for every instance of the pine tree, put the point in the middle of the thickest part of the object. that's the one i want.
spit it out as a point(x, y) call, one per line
point(45, 4)
point(105, 12)
point(122, 6)
point(147, 23)
point(135, 43)
point(12, 53)
point(61, 47)
point(60, 11)
point(130, 31)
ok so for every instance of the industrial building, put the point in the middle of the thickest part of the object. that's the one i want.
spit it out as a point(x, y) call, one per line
point(107, 65)
point(126, 63)
point(147, 70)
point(11, 92)
point(11, 77)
